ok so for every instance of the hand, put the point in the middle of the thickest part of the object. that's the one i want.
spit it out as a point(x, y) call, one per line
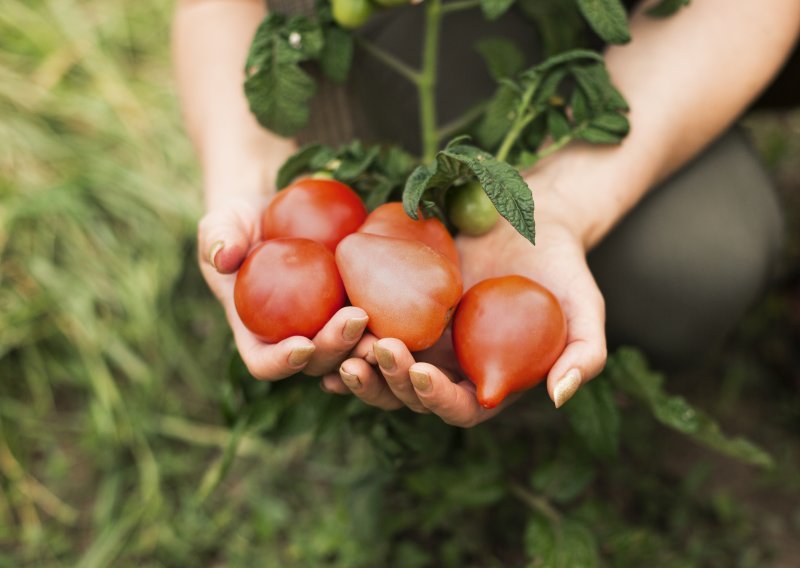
point(225, 235)
point(429, 381)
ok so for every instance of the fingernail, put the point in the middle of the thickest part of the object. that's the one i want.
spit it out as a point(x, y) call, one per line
point(420, 380)
point(566, 387)
point(353, 328)
point(212, 254)
point(370, 357)
point(301, 355)
point(352, 381)
point(385, 357)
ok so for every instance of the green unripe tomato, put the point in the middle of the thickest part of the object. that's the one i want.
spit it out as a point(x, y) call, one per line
point(322, 174)
point(351, 14)
point(471, 210)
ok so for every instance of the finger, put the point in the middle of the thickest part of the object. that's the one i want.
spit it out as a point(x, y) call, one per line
point(225, 236)
point(585, 354)
point(363, 349)
point(454, 403)
point(394, 360)
point(332, 383)
point(269, 361)
point(367, 384)
point(336, 340)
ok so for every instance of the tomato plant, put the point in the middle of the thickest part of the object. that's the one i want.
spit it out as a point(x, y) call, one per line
point(471, 210)
point(408, 289)
point(322, 210)
point(288, 287)
point(391, 220)
point(351, 14)
point(507, 333)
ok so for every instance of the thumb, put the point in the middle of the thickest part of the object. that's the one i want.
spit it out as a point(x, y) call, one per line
point(225, 236)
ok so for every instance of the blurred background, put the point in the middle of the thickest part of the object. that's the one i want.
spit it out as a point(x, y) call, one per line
point(121, 439)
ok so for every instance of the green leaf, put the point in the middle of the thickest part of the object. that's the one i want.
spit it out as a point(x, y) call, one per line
point(503, 58)
point(574, 56)
point(493, 9)
point(598, 136)
point(563, 543)
point(612, 122)
point(666, 8)
point(629, 372)
point(297, 164)
point(499, 116)
point(277, 89)
point(579, 106)
point(337, 55)
point(607, 18)
point(559, 23)
point(502, 183)
point(564, 478)
point(594, 416)
point(557, 124)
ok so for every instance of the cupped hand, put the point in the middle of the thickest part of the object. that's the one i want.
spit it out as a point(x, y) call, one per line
point(384, 373)
point(225, 235)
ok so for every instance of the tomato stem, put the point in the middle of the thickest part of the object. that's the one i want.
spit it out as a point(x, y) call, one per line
point(427, 83)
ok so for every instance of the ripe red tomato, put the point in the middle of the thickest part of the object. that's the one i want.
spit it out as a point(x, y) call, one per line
point(408, 289)
point(391, 220)
point(507, 333)
point(288, 287)
point(322, 210)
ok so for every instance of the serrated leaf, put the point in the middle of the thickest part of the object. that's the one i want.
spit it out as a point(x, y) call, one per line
point(594, 416)
point(666, 8)
point(629, 372)
point(297, 164)
point(277, 89)
point(607, 18)
point(337, 55)
point(502, 56)
point(357, 163)
point(502, 182)
point(493, 9)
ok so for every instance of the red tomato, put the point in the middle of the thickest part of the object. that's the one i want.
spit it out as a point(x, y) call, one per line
point(322, 210)
point(288, 287)
point(408, 289)
point(507, 333)
point(391, 220)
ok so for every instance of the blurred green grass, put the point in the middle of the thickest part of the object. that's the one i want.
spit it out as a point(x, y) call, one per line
point(113, 356)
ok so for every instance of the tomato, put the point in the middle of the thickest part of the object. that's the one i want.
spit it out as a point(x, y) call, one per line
point(507, 334)
point(408, 289)
point(288, 287)
point(471, 210)
point(322, 210)
point(351, 14)
point(391, 220)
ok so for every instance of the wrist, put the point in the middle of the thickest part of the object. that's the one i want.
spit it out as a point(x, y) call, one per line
point(586, 189)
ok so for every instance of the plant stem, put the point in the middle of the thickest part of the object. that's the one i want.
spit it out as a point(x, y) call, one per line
point(521, 120)
point(538, 504)
point(461, 5)
point(427, 81)
point(555, 146)
point(391, 61)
